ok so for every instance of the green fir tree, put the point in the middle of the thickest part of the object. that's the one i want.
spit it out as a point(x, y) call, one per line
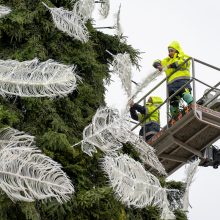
point(29, 32)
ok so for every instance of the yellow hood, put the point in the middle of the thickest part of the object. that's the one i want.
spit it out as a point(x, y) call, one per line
point(175, 45)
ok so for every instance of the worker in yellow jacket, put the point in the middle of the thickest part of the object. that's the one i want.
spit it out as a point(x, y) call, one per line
point(152, 122)
point(176, 76)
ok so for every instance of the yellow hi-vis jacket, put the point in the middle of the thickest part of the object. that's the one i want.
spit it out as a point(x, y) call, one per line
point(179, 58)
point(155, 117)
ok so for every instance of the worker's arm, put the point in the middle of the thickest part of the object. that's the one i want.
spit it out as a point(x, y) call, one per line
point(137, 108)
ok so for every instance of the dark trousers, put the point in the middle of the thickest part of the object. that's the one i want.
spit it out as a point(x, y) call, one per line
point(151, 129)
point(173, 87)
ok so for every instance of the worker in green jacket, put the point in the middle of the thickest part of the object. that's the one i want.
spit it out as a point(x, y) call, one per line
point(152, 122)
point(176, 78)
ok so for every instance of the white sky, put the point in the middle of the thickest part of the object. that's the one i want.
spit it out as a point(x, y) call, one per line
point(150, 26)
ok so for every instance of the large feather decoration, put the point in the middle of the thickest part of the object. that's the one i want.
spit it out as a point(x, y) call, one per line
point(105, 8)
point(122, 66)
point(190, 173)
point(84, 8)
point(117, 23)
point(99, 132)
point(27, 175)
point(149, 79)
point(35, 79)
point(4, 11)
point(70, 22)
point(15, 138)
point(108, 131)
point(134, 186)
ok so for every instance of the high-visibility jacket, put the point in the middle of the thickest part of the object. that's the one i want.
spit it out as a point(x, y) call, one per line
point(179, 58)
point(155, 117)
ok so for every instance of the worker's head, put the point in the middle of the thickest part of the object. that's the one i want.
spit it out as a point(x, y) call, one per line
point(174, 48)
point(155, 100)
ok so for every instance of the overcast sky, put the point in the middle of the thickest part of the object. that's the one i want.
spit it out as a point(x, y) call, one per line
point(150, 26)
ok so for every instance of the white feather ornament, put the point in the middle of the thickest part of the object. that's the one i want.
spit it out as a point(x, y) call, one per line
point(190, 173)
point(35, 79)
point(69, 22)
point(105, 8)
point(117, 23)
point(134, 186)
point(84, 8)
point(122, 66)
point(99, 132)
point(4, 11)
point(15, 138)
point(150, 78)
point(27, 175)
point(108, 131)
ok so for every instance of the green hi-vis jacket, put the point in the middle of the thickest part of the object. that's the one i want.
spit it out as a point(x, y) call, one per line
point(150, 107)
point(179, 58)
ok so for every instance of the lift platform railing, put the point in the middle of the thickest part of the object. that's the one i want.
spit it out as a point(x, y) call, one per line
point(193, 79)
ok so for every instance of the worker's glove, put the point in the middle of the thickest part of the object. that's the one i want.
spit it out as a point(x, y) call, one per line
point(157, 65)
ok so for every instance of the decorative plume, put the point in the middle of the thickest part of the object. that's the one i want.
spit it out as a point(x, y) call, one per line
point(84, 8)
point(190, 172)
point(26, 174)
point(108, 131)
point(99, 132)
point(117, 22)
point(15, 138)
point(69, 22)
point(150, 78)
point(35, 79)
point(4, 11)
point(122, 66)
point(105, 8)
point(134, 186)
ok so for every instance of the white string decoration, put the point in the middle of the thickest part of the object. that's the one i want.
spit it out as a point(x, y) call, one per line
point(69, 22)
point(108, 131)
point(190, 173)
point(26, 174)
point(36, 79)
point(105, 8)
point(122, 66)
point(134, 186)
point(84, 8)
point(4, 11)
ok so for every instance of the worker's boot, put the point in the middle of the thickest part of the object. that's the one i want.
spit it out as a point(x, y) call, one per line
point(187, 97)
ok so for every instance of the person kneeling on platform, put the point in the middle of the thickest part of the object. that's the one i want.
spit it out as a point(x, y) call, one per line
point(147, 115)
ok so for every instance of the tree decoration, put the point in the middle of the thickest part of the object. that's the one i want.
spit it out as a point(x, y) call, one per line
point(15, 138)
point(134, 186)
point(69, 22)
point(105, 8)
point(4, 11)
point(108, 131)
point(190, 173)
point(36, 79)
point(122, 66)
point(84, 8)
point(117, 23)
point(26, 174)
point(150, 78)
